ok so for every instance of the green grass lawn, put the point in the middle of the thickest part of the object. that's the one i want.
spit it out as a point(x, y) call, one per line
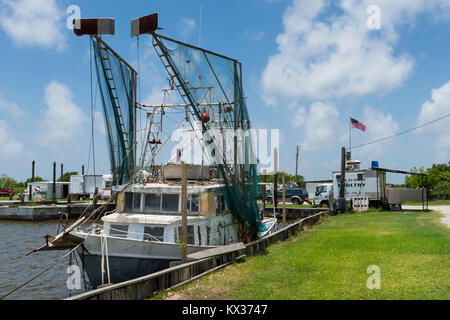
point(330, 261)
point(280, 205)
point(15, 197)
point(430, 203)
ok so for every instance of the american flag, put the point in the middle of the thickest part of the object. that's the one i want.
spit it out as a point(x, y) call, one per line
point(358, 124)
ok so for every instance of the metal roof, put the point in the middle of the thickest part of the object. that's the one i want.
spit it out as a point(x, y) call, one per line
point(401, 171)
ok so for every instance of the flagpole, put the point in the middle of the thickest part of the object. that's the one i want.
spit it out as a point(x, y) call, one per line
point(350, 134)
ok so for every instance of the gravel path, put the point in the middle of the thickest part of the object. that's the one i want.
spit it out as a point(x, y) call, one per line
point(445, 210)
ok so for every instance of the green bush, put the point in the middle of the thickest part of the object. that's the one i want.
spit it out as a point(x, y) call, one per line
point(437, 182)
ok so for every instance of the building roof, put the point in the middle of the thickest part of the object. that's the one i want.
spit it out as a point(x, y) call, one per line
point(401, 171)
point(148, 218)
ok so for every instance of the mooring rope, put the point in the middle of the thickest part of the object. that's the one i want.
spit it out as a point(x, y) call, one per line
point(45, 270)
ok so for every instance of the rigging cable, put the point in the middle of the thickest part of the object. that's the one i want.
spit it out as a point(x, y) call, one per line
point(138, 49)
point(401, 133)
point(92, 144)
point(39, 274)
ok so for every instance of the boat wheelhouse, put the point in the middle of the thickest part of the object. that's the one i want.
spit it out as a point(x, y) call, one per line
point(153, 212)
point(144, 234)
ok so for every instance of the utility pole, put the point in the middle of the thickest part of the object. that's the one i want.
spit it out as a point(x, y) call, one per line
point(62, 171)
point(296, 167)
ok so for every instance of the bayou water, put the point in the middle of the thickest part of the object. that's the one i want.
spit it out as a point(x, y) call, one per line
point(16, 240)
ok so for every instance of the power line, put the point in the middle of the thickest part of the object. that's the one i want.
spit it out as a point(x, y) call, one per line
point(401, 133)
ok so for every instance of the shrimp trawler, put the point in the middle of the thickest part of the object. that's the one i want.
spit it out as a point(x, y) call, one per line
point(218, 194)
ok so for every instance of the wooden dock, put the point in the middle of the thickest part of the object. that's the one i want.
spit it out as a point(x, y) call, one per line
point(292, 213)
point(210, 260)
point(17, 212)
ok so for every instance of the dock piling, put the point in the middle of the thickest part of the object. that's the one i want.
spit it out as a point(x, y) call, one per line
point(184, 236)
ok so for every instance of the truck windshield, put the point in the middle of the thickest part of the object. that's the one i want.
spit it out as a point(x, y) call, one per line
point(321, 189)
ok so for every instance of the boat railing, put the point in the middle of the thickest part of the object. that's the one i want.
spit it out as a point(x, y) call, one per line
point(151, 237)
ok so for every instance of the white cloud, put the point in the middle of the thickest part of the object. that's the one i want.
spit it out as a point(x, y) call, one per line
point(186, 26)
point(99, 122)
point(327, 52)
point(433, 109)
point(255, 35)
point(33, 22)
point(11, 108)
point(9, 146)
point(63, 119)
point(379, 126)
point(319, 125)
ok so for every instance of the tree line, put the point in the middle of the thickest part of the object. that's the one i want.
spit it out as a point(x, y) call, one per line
point(19, 186)
point(291, 179)
point(437, 182)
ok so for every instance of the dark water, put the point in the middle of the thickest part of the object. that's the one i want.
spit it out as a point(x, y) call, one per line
point(16, 240)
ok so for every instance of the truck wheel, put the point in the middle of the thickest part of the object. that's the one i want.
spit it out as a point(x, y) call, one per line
point(295, 201)
point(324, 205)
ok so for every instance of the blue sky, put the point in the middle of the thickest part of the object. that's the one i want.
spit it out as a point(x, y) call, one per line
point(308, 66)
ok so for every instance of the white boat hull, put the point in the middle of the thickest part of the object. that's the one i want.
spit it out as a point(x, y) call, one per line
point(128, 258)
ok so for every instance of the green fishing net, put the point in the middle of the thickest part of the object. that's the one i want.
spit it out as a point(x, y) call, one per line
point(212, 84)
point(117, 84)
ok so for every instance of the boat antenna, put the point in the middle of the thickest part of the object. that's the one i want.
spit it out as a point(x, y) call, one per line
point(200, 32)
point(200, 45)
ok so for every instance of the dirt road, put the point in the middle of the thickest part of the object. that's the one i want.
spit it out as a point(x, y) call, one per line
point(445, 210)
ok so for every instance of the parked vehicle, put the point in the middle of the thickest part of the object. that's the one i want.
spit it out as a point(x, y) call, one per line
point(295, 195)
point(324, 193)
point(359, 183)
point(6, 192)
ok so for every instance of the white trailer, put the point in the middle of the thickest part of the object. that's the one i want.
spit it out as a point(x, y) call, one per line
point(369, 184)
point(83, 186)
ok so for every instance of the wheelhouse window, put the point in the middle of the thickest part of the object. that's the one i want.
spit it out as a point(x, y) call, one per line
point(128, 201)
point(170, 202)
point(152, 202)
point(150, 233)
point(220, 204)
point(118, 230)
point(136, 202)
point(191, 236)
point(193, 203)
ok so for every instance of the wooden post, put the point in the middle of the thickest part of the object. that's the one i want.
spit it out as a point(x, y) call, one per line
point(264, 194)
point(30, 189)
point(184, 215)
point(275, 182)
point(342, 188)
point(284, 200)
point(82, 170)
point(296, 167)
point(54, 182)
point(95, 196)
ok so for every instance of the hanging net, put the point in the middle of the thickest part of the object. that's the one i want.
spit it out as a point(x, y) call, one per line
point(117, 83)
point(211, 85)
